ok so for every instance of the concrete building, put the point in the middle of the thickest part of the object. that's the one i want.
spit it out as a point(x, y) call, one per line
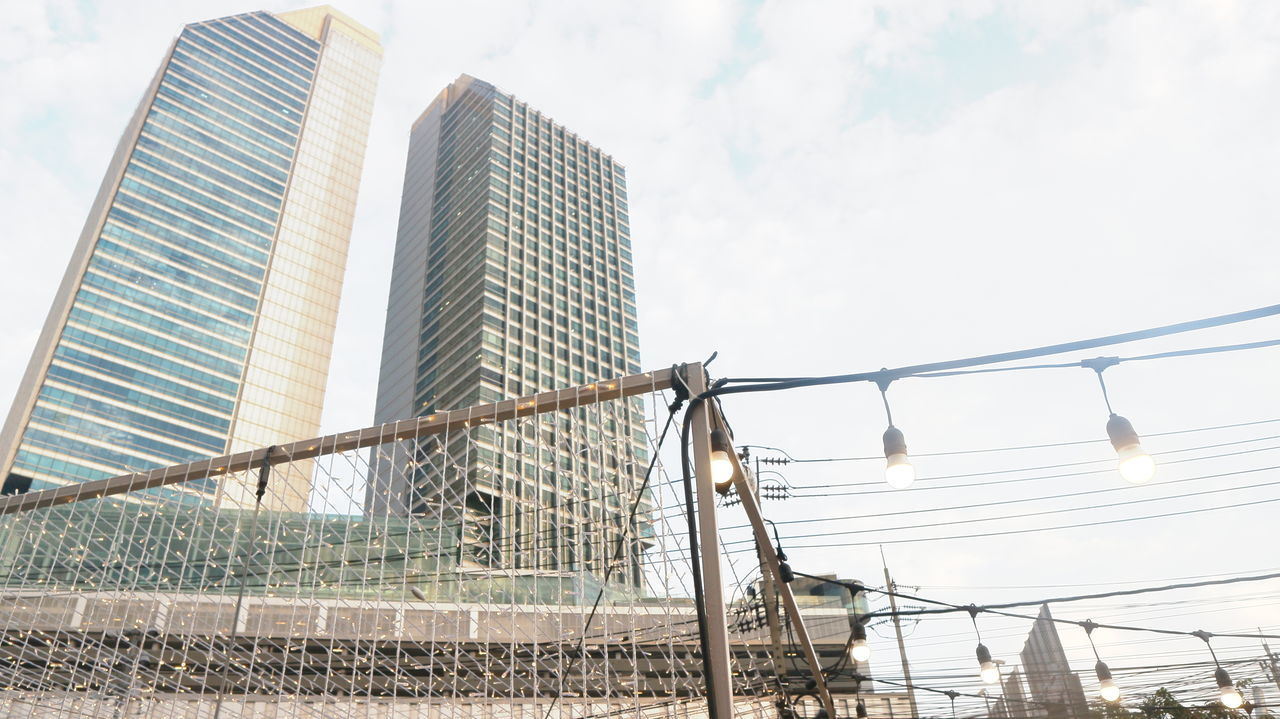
point(196, 314)
point(512, 275)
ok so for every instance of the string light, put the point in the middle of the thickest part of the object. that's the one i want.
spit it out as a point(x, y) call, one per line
point(1107, 687)
point(1136, 465)
point(1227, 692)
point(987, 669)
point(721, 463)
point(898, 471)
point(859, 650)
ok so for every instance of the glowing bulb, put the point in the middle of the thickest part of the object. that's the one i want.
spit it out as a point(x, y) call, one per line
point(1227, 693)
point(721, 467)
point(987, 669)
point(721, 462)
point(1136, 465)
point(898, 471)
point(1231, 698)
point(1106, 685)
point(860, 651)
point(1109, 691)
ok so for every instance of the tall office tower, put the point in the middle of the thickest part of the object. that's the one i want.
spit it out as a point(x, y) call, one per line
point(512, 275)
point(197, 313)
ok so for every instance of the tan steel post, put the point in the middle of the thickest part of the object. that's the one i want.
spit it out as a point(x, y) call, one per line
point(752, 508)
point(717, 663)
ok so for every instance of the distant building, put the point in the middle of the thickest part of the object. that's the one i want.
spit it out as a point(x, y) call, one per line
point(197, 313)
point(1055, 689)
point(1014, 702)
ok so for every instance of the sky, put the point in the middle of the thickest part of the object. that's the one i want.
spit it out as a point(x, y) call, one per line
point(828, 187)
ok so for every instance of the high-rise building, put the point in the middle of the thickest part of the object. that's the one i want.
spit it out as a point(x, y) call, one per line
point(512, 275)
point(197, 313)
point(1056, 689)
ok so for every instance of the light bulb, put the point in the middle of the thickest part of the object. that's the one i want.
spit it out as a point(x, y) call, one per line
point(898, 471)
point(1109, 691)
point(1227, 693)
point(860, 651)
point(721, 467)
point(987, 668)
point(1136, 465)
point(1106, 685)
point(1231, 698)
point(721, 462)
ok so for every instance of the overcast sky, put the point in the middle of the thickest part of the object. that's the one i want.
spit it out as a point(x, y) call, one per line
point(834, 187)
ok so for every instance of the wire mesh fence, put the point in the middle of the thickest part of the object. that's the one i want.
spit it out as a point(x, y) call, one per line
point(522, 559)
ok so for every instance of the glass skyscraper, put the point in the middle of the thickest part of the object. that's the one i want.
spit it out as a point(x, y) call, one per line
point(512, 275)
point(197, 313)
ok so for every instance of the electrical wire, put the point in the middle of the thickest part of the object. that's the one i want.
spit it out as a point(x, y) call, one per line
point(987, 450)
point(1032, 530)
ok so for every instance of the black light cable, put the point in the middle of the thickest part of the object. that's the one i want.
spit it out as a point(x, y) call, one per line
point(1001, 357)
point(674, 407)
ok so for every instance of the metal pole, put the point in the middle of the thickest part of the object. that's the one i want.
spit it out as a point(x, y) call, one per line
point(264, 474)
point(902, 644)
point(752, 508)
point(717, 661)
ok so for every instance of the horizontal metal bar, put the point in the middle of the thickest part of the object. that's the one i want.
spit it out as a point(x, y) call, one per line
point(413, 428)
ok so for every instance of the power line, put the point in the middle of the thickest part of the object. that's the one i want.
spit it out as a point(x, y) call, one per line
point(986, 450)
point(1032, 530)
point(1025, 515)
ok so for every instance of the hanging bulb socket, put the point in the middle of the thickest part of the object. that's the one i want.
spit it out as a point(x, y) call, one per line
point(859, 649)
point(987, 668)
point(898, 471)
point(861, 709)
point(722, 470)
point(1136, 465)
point(785, 573)
point(1227, 692)
point(1106, 685)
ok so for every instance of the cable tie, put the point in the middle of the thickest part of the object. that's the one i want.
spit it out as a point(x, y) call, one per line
point(883, 378)
point(973, 611)
point(1097, 364)
point(1202, 635)
point(1088, 626)
point(952, 694)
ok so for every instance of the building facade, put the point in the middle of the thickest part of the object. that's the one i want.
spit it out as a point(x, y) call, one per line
point(196, 315)
point(512, 275)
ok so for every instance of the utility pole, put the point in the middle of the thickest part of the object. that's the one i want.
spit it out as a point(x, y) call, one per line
point(897, 628)
point(1272, 667)
point(770, 589)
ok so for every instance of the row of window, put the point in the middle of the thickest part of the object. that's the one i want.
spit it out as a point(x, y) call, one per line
point(133, 376)
point(135, 397)
point(51, 396)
